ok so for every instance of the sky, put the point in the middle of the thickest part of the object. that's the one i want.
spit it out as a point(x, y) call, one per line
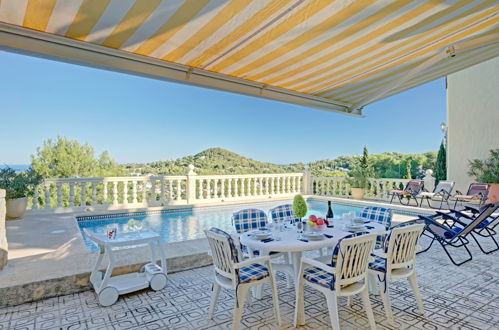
point(139, 120)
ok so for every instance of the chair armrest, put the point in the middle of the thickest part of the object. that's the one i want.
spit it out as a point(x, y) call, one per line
point(250, 261)
point(472, 209)
point(380, 253)
point(461, 214)
point(318, 264)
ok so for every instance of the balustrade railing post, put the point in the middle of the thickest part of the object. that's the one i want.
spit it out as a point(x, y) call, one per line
point(71, 194)
point(190, 187)
point(115, 193)
point(134, 192)
point(104, 192)
point(307, 182)
point(35, 198)
point(94, 193)
point(59, 194)
point(83, 194)
point(47, 195)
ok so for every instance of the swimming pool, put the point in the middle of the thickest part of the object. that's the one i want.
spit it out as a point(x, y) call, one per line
point(187, 224)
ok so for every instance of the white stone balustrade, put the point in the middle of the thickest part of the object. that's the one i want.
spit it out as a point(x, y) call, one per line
point(114, 193)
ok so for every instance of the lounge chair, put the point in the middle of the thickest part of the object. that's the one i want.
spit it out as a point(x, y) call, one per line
point(411, 190)
point(477, 193)
point(484, 229)
point(441, 193)
point(450, 235)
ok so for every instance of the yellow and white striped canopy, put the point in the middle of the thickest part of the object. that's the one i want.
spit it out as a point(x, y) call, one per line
point(333, 54)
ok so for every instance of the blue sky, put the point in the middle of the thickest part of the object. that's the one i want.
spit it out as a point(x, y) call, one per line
point(138, 119)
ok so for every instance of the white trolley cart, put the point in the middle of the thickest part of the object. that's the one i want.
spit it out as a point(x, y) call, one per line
point(151, 275)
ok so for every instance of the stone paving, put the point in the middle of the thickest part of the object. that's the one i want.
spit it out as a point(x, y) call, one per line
point(465, 297)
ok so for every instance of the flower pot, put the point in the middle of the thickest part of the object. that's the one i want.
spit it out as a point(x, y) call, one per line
point(493, 193)
point(16, 207)
point(358, 193)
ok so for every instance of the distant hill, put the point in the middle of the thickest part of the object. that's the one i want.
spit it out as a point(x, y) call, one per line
point(16, 167)
point(222, 161)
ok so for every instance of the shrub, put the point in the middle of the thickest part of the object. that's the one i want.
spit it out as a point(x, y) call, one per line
point(20, 184)
point(299, 206)
point(486, 171)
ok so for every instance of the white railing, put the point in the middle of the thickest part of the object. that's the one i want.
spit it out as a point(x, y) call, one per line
point(114, 193)
point(338, 187)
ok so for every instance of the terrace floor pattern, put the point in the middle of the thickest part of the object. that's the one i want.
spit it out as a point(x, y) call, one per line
point(465, 297)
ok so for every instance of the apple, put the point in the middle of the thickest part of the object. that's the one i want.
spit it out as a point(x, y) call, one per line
point(320, 222)
point(312, 218)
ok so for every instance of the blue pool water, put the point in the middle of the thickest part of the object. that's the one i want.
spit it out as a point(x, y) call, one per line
point(187, 224)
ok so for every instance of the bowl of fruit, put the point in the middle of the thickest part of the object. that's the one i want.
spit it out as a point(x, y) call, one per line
point(316, 224)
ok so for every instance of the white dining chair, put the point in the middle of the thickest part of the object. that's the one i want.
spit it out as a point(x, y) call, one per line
point(240, 276)
point(346, 275)
point(396, 261)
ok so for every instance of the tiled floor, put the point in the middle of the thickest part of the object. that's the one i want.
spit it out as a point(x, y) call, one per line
point(465, 297)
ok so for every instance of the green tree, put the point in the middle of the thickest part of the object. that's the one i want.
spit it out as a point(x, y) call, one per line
point(441, 165)
point(408, 174)
point(65, 158)
point(299, 206)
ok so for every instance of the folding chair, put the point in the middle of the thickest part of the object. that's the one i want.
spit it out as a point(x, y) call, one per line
point(441, 193)
point(477, 193)
point(411, 190)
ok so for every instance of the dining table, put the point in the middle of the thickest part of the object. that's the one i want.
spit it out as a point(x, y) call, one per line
point(288, 240)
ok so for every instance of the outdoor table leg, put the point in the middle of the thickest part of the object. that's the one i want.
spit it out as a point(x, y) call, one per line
point(296, 256)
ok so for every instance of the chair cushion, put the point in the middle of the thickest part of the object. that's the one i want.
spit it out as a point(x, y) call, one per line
point(426, 194)
point(378, 264)
point(252, 273)
point(249, 219)
point(319, 276)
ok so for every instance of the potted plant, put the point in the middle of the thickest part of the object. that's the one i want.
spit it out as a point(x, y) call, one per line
point(299, 206)
point(487, 171)
point(358, 177)
point(18, 186)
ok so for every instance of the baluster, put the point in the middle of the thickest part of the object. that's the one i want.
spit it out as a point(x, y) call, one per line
point(278, 185)
point(222, 192)
point(287, 181)
point(59, 194)
point(179, 190)
point(83, 197)
point(272, 185)
point(236, 187)
point(125, 192)
point(229, 188)
point(94, 193)
point(208, 188)
point(71, 194)
point(170, 190)
point(104, 192)
point(298, 184)
point(260, 186)
point(162, 197)
point(47, 195)
point(35, 198)
point(134, 192)
point(341, 188)
point(144, 192)
point(115, 193)
point(215, 188)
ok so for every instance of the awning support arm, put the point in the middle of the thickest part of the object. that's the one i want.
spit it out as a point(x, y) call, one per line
point(447, 52)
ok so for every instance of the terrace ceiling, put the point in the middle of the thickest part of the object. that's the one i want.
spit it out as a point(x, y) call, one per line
point(333, 55)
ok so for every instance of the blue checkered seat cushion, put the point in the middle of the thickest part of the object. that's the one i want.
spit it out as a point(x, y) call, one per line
point(378, 264)
point(320, 276)
point(249, 219)
point(283, 213)
point(380, 215)
point(252, 273)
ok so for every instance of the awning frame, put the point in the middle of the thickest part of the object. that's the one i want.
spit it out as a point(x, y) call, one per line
point(54, 47)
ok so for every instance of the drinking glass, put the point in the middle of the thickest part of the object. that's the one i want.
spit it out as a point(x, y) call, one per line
point(299, 228)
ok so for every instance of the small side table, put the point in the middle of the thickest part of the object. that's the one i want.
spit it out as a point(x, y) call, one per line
point(151, 275)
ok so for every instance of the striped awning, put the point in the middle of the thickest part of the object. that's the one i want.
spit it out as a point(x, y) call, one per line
point(332, 54)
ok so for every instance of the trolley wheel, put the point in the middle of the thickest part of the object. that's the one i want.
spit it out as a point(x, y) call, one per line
point(158, 281)
point(108, 296)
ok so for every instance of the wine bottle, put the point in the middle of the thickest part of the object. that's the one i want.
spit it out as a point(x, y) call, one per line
point(329, 215)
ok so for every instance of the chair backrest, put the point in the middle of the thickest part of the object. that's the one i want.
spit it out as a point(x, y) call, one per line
point(223, 251)
point(353, 259)
point(282, 213)
point(485, 212)
point(378, 214)
point(444, 187)
point(249, 219)
point(402, 244)
point(414, 187)
point(479, 189)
